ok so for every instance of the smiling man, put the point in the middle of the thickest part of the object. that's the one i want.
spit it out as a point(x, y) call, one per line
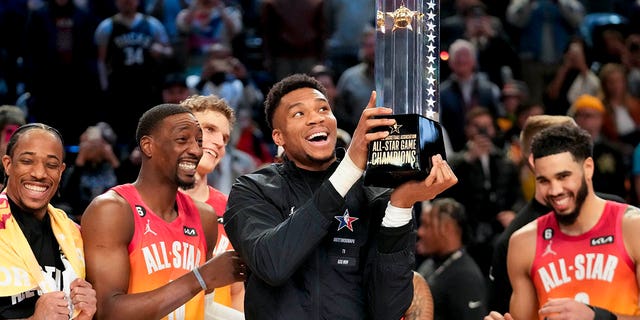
point(149, 245)
point(41, 258)
point(319, 244)
point(580, 260)
point(216, 119)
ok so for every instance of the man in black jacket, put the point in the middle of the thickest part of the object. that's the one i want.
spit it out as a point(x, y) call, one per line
point(319, 244)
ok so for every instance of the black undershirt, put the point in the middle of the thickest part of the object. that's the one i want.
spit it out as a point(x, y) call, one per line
point(46, 250)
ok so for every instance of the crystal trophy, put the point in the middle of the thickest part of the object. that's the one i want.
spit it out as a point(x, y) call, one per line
point(407, 67)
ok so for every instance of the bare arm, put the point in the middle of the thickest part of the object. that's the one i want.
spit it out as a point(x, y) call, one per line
point(422, 304)
point(107, 228)
point(630, 227)
point(524, 301)
point(237, 296)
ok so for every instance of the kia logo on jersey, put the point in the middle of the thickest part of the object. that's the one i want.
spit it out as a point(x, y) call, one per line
point(601, 240)
point(191, 232)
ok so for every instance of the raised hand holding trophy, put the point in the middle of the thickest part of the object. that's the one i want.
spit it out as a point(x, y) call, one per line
point(406, 74)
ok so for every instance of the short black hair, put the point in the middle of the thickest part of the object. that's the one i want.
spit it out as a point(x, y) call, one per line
point(562, 138)
point(284, 86)
point(152, 117)
point(20, 132)
point(28, 127)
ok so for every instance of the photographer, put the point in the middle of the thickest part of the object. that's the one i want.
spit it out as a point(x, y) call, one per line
point(573, 79)
point(497, 58)
point(93, 171)
point(490, 186)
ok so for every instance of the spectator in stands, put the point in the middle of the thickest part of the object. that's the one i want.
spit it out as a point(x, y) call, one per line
point(545, 29)
point(489, 185)
point(622, 116)
point(93, 171)
point(611, 163)
point(206, 22)
point(345, 21)
point(175, 88)
point(325, 75)
point(131, 50)
point(457, 285)
point(60, 62)
point(572, 79)
point(11, 118)
point(463, 90)
point(632, 64)
point(356, 83)
point(294, 34)
point(497, 58)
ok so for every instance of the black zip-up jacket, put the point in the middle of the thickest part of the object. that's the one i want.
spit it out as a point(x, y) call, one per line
point(316, 255)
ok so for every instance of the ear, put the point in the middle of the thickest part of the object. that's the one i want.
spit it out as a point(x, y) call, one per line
point(146, 146)
point(589, 167)
point(276, 134)
point(530, 161)
point(6, 163)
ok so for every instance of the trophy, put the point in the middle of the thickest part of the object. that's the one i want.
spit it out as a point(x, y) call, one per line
point(407, 66)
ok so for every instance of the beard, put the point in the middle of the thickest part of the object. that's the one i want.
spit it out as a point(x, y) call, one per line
point(571, 217)
point(185, 185)
point(320, 161)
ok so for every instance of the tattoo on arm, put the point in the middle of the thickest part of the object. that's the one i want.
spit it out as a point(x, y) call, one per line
point(631, 212)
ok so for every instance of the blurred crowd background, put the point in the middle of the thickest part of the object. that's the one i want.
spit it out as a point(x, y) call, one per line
point(91, 67)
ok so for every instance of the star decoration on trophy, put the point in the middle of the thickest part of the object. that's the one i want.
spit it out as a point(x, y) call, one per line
point(433, 48)
point(380, 21)
point(407, 70)
point(402, 17)
point(395, 128)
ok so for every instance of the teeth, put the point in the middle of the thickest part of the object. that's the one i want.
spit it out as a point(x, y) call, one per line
point(35, 188)
point(187, 165)
point(316, 135)
point(561, 202)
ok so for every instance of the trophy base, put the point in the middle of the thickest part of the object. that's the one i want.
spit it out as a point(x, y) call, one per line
point(406, 153)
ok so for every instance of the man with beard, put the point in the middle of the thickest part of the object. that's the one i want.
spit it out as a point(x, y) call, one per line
point(319, 243)
point(578, 261)
point(148, 246)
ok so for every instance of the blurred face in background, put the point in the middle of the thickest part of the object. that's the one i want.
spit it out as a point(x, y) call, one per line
point(127, 7)
point(615, 84)
point(590, 120)
point(5, 135)
point(175, 94)
point(328, 84)
point(432, 232)
point(462, 63)
point(481, 125)
point(368, 49)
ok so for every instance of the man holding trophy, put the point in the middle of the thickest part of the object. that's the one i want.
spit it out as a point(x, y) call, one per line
point(318, 241)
